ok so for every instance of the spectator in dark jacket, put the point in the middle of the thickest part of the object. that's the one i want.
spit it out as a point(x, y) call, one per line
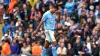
point(95, 50)
point(70, 50)
point(77, 47)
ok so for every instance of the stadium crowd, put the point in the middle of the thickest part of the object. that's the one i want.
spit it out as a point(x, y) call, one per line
point(77, 33)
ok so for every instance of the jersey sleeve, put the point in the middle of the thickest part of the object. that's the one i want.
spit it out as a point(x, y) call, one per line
point(44, 18)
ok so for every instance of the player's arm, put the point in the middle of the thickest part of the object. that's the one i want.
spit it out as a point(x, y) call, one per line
point(38, 27)
point(44, 18)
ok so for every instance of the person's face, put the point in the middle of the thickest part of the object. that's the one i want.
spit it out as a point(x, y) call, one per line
point(83, 13)
point(93, 32)
point(24, 44)
point(69, 0)
point(88, 39)
point(20, 29)
point(94, 46)
point(69, 45)
point(28, 40)
point(25, 35)
point(91, 1)
point(77, 41)
point(38, 1)
point(32, 9)
point(14, 41)
point(12, 23)
point(53, 10)
point(26, 18)
point(62, 45)
point(97, 7)
point(85, 29)
point(91, 12)
point(61, 17)
point(84, 45)
point(24, 6)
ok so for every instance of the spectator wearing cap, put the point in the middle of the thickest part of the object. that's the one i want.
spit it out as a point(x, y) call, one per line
point(6, 37)
point(14, 47)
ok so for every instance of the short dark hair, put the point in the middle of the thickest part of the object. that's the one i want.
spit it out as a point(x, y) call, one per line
point(54, 6)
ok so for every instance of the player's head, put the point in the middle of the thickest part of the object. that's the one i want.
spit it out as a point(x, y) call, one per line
point(53, 8)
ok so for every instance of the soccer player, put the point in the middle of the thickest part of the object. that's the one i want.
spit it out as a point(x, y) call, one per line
point(49, 20)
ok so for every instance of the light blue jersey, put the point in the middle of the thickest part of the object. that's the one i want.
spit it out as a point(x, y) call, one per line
point(49, 20)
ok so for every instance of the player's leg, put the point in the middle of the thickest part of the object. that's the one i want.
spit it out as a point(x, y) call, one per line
point(46, 44)
point(51, 33)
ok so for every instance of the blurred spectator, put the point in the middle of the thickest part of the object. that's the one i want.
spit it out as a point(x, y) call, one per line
point(70, 50)
point(14, 47)
point(38, 5)
point(6, 16)
point(1, 9)
point(77, 46)
point(6, 37)
point(89, 45)
point(24, 12)
point(5, 48)
point(25, 49)
point(61, 51)
point(95, 51)
point(5, 27)
point(98, 19)
point(6, 3)
point(69, 6)
point(91, 5)
point(36, 49)
point(97, 10)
